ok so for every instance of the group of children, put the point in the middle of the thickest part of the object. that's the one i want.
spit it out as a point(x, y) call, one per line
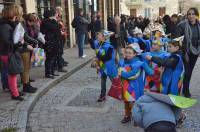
point(146, 66)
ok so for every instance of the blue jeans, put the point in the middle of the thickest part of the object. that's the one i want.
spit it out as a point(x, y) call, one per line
point(4, 73)
point(80, 41)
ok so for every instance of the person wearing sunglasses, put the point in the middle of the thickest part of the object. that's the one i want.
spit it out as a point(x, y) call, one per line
point(190, 28)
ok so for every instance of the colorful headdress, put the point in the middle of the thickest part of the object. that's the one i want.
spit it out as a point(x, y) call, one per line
point(158, 42)
point(137, 30)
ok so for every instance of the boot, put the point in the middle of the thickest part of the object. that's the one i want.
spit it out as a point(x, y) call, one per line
point(29, 89)
point(101, 99)
point(5, 87)
point(54, 74)
point(17, 98)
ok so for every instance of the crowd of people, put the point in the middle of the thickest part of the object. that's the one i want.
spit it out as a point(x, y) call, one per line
point(20, 34)
point(138, 55)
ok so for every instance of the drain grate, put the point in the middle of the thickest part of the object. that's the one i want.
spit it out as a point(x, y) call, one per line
point(87, 98)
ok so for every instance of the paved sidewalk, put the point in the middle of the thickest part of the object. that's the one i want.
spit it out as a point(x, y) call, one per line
point(13, 114)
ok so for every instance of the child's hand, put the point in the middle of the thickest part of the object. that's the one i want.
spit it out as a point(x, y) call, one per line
point(148, 57)
point(29, 47)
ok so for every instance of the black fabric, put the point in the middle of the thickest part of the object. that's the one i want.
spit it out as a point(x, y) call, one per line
point(6, 39)
point(15, 64)
point(53, 37)
point(170, 62)
point(49, 64)
point(107, 56)
point(81, 24)
point(189, 66)
point(162, 126)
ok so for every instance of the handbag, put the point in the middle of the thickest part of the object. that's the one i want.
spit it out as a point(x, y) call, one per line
point(116, 89)
point(38, 57)
point(15, 64)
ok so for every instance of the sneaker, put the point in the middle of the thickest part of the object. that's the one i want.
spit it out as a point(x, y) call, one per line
point(54, 74)
point(49, 76)
point(101, 99)
point(126, 119)
point(66, 62)
point(31, 80)
point(21, 94)
point(29, 89)
point(18, 98)
point(83, 56)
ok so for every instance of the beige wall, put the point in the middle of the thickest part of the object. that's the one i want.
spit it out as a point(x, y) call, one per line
point(30, 6)
point(171, 7)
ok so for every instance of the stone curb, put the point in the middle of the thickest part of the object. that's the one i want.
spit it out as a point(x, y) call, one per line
point(30, 102)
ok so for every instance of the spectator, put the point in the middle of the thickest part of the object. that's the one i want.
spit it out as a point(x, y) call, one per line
point(167, 23)
point(51, 29)
point(95, 25)
point(174, 23)
point(190, 28)
point(80, 23)
point(60, 62)
point(26, 51)
point(10, 17)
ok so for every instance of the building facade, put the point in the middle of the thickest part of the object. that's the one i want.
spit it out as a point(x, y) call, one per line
point(152, 8)
point(184, 5)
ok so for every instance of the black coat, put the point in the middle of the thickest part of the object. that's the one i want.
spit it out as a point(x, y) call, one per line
point(53, 37)
point(6, 37)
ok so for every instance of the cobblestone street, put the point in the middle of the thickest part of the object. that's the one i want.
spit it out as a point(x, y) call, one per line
point(71, 107)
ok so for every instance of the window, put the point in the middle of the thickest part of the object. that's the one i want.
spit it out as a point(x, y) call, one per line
point(4, 3)
point(46, 4)
point(147, 12)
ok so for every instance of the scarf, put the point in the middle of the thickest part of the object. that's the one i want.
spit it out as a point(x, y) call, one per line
point(188, 39)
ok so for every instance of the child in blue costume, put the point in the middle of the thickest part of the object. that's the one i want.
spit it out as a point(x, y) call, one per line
point(144, 44)
point(105, 61)
point(131, 73)
point(153, 83)
point(172, 75)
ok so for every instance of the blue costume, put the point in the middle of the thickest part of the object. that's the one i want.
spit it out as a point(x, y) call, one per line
point(106, 58)
point(153, 83)
point(140, 41)
point(132, 78)
point(172, 78)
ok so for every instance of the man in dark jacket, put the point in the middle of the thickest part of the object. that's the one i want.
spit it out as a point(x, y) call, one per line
point(80, 23)
point(51, 29)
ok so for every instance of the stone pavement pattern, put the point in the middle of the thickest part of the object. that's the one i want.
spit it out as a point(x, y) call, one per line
point(70, 107)
point(9, 109)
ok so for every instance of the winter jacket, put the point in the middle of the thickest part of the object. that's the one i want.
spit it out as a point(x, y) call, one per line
point(6, 40)
point(148, 110)
point(51, 29)
point(81, 24)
